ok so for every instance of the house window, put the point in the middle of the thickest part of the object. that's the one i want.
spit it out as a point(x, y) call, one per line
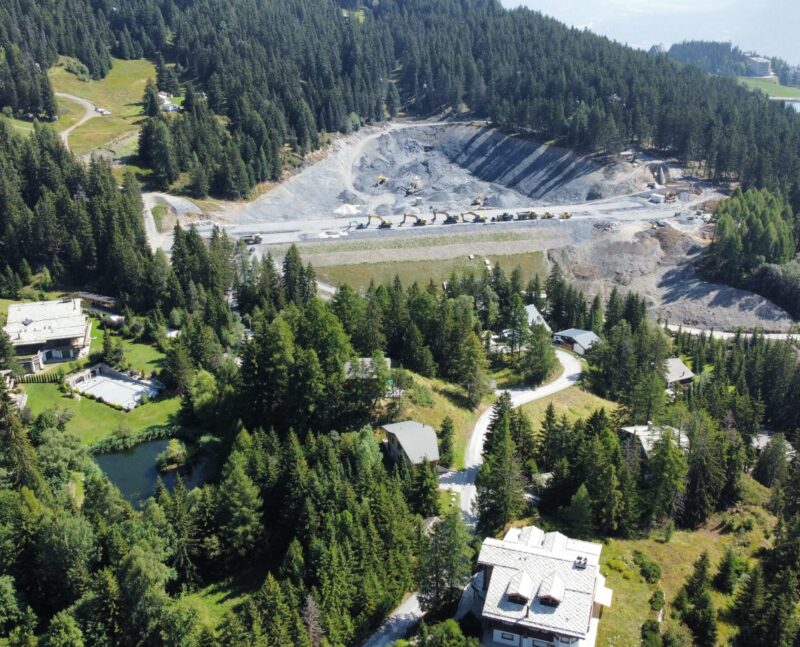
point(505, 636)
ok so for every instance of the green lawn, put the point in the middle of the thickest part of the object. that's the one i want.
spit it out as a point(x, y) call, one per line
point(770, 88)
point(439, 400)
point(120, 92)
point(92, 421)
point(622, 622)
point(213, 601)
point(359, 275)
point(573, 402)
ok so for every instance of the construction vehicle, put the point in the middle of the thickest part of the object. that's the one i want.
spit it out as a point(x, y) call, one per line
point(504, 217)
point(414, 187)
point(380, 180)
point(671, 197)
point(448, 219)
point(251, 239)
point(418, 222)
point(566, 215)
point(527, 215)
point(547, 216)
point(382, 223)
point(479, 200)
point(476, 217)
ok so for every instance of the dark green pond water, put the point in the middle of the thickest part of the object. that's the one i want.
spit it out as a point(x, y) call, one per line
point(134, 471)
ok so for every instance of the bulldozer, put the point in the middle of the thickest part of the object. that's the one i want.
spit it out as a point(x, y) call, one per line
point(476, 217)
point(418, 222)
point(565, 216)
point(382, 223)
point(479, 200)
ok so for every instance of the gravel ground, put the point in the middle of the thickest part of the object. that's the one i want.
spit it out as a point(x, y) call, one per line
point(608, 240)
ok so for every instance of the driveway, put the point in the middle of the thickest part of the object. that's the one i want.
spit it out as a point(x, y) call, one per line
point(89, 113)
point(409, 612)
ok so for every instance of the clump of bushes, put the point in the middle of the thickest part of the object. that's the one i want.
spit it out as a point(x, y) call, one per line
point(650, 570)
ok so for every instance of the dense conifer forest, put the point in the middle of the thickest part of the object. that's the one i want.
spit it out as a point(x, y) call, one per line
point(285, 72)
point(303, 509)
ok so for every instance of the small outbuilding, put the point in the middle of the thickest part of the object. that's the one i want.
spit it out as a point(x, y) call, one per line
point(576, 340)
point(413, 442)
point(535, 317)
point(363, 368)
point(677, 373)
point(646, 436)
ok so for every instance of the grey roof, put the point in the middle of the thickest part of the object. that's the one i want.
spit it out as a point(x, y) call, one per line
point(43, 321)
point(676, 371)
point(532, 560)
point(648, 435)
point(417, 440)
point(363, 368)
point(535, 317)
point(585, 338)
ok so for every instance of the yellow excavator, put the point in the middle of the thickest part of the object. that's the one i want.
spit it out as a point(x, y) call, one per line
point(479, 200)
point(380, 180)
point(382, 223)
point(476, 217)
point(418, 222)
point(565, 216)
point(414, 187)
point(448, 219)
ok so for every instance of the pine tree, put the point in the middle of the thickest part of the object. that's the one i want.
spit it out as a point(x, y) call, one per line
point(151, 104)
point(472, 367)
point(539, 359)
point(446, 438)
point(579, 512)
point(444, 563)
point(500, 497)
point(424, 490)
point(240, 514)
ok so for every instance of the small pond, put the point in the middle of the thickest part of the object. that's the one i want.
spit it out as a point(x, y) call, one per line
point(134, 471)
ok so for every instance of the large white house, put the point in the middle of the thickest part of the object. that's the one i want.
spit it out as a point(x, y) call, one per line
point(541, 589)
point(48, 331)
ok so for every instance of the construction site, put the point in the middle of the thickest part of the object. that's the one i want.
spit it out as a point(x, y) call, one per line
point(401, 192)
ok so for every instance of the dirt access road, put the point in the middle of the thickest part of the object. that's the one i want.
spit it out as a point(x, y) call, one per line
point(409, 612)
point(89, 113)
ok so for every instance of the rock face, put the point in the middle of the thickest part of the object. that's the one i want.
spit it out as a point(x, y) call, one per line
point(659, 265)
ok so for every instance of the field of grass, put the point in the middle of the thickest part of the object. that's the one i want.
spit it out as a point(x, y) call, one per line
point(770, 88)
point(431, 401)
point(212, 602)
point(573, 402)
point(622, 622)
point(92, 421)
point(359, 275)
point(120, 92)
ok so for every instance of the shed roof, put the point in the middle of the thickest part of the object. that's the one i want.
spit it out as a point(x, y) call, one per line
point(418, 441)
point(535, 317)
point(677, 371)
point(648, 435)
point(585, 338)
point(363, 368)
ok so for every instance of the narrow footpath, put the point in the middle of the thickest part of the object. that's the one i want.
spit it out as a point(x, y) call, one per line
point(409, 612)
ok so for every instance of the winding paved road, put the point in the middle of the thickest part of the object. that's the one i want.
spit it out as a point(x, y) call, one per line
point(89, 113)
point(409, 612)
